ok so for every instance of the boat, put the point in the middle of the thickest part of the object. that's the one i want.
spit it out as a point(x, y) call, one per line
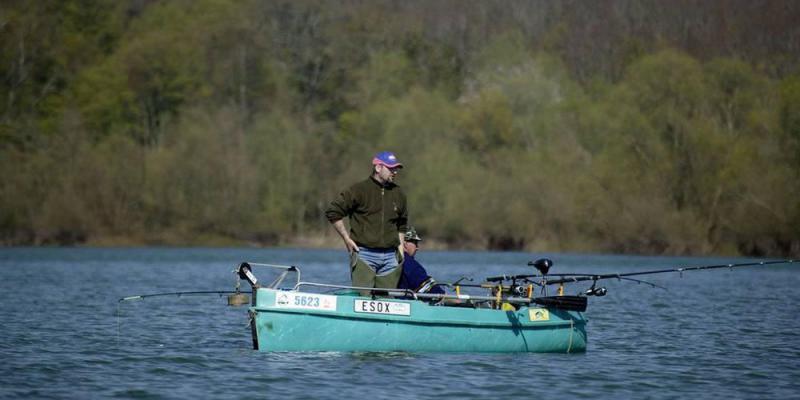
point(509, 314)
point(511, 318)
point(300, 319)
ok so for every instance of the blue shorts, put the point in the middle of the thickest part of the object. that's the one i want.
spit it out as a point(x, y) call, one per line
point(382, 261)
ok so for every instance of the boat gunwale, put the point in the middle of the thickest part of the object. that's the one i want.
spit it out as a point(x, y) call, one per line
point(514, 321)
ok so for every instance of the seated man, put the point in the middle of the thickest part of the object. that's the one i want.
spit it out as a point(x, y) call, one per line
point(414, 276)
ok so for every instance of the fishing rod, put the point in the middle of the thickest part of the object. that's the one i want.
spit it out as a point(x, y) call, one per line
point(595, 277)
point(527, 279)
point(179, 294)
point(236, 297)
point(542, 280)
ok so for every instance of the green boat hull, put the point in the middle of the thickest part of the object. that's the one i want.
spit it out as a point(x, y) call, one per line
point(297, 321)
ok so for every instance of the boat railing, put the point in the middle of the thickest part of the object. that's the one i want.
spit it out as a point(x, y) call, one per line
point(245, 273)
point(396, 292)
point(497, 298)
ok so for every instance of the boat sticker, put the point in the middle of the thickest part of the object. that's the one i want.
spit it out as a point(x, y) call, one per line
point(381, 307)
point(539, 314)
point(307, 301)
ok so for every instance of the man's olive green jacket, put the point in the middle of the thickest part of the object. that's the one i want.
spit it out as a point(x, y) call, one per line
point(377, 213)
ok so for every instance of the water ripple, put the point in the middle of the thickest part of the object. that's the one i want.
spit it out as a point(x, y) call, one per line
point(699, 339)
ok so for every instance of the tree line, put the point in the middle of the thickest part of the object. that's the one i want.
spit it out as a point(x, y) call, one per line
point(616, 126)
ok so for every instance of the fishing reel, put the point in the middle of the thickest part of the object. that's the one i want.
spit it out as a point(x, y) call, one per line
point(596, 291)
point(519, 291)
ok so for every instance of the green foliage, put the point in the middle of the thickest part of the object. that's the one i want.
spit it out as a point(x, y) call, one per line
point(790, 114)
point(521, 127)
point(44, 45)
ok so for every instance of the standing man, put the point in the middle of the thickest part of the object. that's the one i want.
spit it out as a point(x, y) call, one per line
point(378, 221)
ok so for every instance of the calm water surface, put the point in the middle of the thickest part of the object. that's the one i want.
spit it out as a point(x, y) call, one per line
point(711, 334)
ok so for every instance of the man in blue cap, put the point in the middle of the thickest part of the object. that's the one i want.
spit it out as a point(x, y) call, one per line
point(376, 208)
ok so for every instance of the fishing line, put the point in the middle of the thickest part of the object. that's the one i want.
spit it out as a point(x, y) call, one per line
point(178, 294)
point(118, 322)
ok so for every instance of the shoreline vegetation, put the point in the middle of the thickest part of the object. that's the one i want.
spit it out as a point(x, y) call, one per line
point(623, 127)
point(334, 242)
point(318, 241)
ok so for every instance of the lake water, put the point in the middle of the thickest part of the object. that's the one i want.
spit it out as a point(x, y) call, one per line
point(711, 334)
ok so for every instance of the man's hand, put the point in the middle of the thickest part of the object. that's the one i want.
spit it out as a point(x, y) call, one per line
point(401, 248)
point(349, 244)
point(401, 255)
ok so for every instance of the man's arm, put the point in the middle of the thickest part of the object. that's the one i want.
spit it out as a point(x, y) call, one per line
point(336, 212)
point(342, 231)
point(402, 225)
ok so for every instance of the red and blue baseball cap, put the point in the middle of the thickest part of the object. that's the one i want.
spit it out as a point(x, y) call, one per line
point(388, 159)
